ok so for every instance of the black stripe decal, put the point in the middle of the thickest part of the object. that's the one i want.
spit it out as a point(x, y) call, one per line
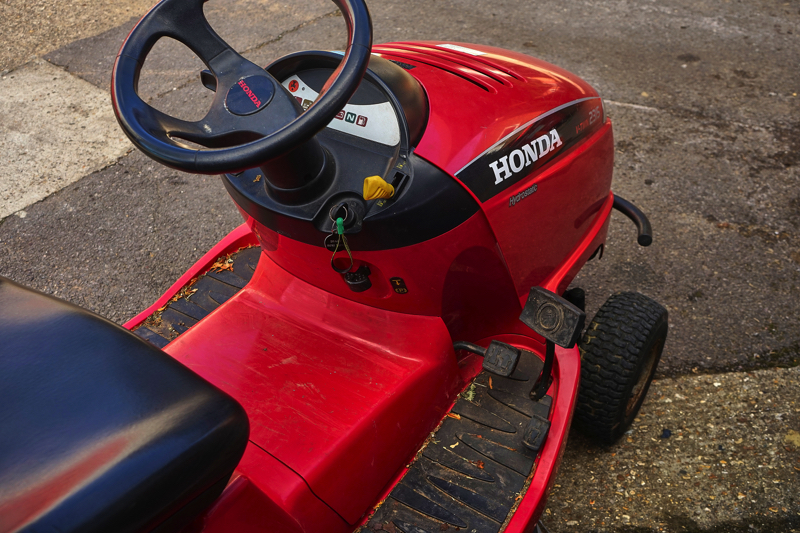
point(531, 147)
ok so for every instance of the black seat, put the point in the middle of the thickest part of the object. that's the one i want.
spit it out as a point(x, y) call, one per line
point(99, 430)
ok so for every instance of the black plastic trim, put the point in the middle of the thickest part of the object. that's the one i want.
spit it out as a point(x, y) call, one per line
point(493, 172)
point(430, 203)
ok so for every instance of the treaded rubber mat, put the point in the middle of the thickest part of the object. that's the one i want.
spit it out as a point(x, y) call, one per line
point(474, 468)
point(192, 303)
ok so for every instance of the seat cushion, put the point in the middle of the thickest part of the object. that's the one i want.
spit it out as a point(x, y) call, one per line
point(99, 430)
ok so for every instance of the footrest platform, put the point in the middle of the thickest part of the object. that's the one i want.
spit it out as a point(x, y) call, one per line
point(475, 467)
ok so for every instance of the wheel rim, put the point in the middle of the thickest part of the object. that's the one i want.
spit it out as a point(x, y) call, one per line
point(640, 388)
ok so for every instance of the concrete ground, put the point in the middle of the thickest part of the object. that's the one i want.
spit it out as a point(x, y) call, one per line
point(703, 96)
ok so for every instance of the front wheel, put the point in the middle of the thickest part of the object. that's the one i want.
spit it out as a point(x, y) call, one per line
point(619, 355)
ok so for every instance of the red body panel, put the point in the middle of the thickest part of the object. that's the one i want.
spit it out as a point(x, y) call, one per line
point(537, 233)
point(498, 93)
point(334, 426)
point(560, 278)
point(341, 393)
point(270, 498)
point(456, 276)
point(466, 118)
point(342, 388)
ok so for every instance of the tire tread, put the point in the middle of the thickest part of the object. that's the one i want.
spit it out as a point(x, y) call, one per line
point(610, 351)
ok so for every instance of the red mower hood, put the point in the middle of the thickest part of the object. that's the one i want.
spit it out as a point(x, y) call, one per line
point(479, 95)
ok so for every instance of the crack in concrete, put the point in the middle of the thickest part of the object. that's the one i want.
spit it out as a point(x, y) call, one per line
point(633, 106)
point(257, 47)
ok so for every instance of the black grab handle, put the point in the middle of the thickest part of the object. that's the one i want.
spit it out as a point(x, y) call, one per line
point(622, 205)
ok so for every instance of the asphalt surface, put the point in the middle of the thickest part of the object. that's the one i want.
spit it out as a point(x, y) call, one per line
point(707, 123)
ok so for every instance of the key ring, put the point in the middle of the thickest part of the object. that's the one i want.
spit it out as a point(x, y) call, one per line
point(338, 228)
point(330, 214)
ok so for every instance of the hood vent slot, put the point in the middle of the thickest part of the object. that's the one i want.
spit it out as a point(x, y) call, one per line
point(476, 78)
point(462, 64)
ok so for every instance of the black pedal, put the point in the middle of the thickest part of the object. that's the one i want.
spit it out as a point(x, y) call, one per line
point(553, 317)
point(536, 433)
point(501, 359)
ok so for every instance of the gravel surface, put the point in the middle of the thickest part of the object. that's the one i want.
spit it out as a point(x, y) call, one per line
point(707, 453)
point(57, 128)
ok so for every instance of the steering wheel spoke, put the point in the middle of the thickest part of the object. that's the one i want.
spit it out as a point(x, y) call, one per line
point(184, 21)
point(229, 67)
point(171, 128)
point(253, 119)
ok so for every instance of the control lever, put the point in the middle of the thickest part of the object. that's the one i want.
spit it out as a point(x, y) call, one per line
point(208, 80)
point(499, 358)
point(545, 379)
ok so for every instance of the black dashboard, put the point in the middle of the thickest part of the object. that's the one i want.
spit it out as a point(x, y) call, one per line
point(374, 135)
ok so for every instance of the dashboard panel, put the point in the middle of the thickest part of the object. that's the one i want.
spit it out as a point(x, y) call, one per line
point(374, 135)
point(369, 115)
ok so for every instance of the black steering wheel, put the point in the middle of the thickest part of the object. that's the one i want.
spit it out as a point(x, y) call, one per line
point(252, 119)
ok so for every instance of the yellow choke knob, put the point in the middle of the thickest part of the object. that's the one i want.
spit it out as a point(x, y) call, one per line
point(375, 187)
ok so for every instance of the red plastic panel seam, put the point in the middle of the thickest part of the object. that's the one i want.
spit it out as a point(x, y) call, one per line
point(554, 281)
point(304, 481)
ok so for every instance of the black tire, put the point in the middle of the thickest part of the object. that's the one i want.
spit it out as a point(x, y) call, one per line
point(620, 351)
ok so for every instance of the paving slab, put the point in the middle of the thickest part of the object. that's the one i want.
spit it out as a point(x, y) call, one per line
point(31, 28)
point(56, 129)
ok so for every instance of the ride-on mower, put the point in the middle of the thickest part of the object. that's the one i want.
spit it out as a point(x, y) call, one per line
point(388, 342)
